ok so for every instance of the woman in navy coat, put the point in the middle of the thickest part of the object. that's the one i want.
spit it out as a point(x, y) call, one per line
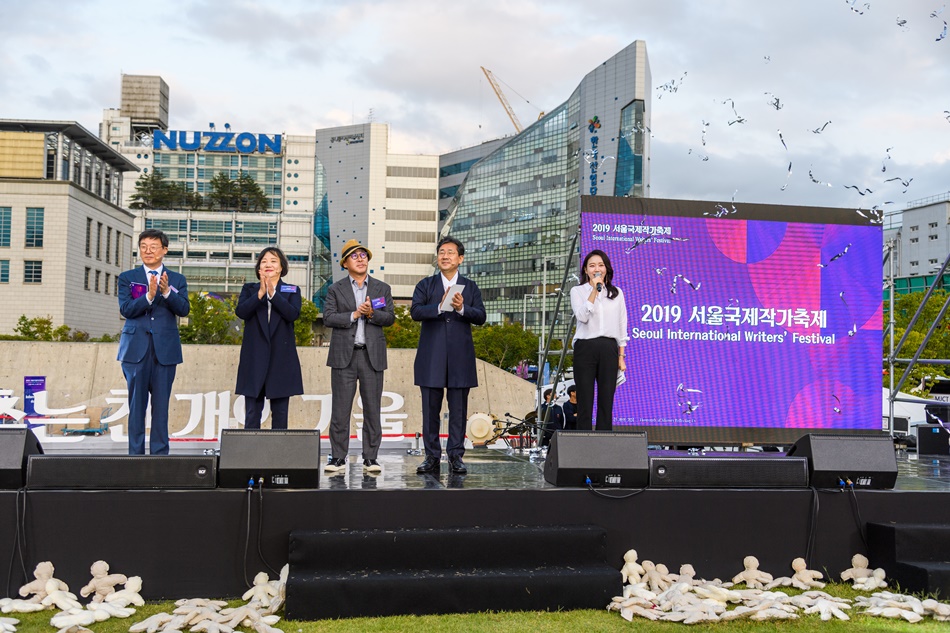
point(269, 366)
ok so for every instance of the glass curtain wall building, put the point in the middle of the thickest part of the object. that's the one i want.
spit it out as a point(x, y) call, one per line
point(518, 208)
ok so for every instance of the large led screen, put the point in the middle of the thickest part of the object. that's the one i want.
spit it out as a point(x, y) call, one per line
point(746, 322)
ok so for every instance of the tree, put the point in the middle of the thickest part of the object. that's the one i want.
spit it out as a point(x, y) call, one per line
point(938, 347)
point(404, 333)
point(504, 345)
point(211, 320)
point(303, 326)
point(153, 191)
point(242, 194)
point(41, 329)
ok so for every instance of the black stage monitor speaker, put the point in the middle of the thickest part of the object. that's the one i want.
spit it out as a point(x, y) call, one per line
point(607, 458)
point(283, 458)
point(718, 471)
point(867, 461)
point(121, 472)
point(932, 439)
point(16, 446)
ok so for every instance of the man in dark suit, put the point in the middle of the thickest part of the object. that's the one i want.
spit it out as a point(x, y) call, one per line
point(151, 298)
point(445, 358)
point(357, 308)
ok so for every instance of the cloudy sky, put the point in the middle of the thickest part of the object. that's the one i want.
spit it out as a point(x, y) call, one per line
point(877, 72)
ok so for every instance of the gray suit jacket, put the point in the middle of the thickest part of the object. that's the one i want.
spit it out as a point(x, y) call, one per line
point(337, 310)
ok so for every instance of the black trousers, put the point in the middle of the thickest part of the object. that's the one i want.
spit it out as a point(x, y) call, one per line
point(595, 360)
point(254, 407)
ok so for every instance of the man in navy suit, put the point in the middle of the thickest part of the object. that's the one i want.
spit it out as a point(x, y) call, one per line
point(445, 358)
point(151, 298)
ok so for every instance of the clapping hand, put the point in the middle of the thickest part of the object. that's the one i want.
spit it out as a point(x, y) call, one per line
point(163, 284)
point(152, 287)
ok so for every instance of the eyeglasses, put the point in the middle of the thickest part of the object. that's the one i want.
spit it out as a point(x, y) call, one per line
point(151, 249)
point(358, 255)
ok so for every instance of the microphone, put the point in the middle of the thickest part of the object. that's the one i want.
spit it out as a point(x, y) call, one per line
point(600, 286)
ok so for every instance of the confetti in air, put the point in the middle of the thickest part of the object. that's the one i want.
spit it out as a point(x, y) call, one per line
point(821, 129)
point(694, 286)
point(841, 296)
point(685, 397)
point(671, 86)
point(943, 33)
point(836, 408)
point(722, 211)
point(787, 177)
point(838, 256)
point(816, 181)
point(738, 118)
point(860, 191)
point(775, 102)
point(705, 125)
point(886, 158)
point(783, 140)
point(768, 58)
point(660, 271)
point(901, 23)
point(853, 330)
point(905, 183)
point(865, 7)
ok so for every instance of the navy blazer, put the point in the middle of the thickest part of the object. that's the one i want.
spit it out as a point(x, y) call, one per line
point(158, 320)
point(269, 349)
point(446, 353)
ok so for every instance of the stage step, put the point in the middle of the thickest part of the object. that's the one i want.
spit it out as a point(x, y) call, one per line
point(915, 556)
point(370, 573)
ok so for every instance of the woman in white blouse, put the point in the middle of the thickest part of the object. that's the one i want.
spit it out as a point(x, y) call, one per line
point(599, 340)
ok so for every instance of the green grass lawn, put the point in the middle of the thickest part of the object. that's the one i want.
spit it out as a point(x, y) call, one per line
point(529, 622)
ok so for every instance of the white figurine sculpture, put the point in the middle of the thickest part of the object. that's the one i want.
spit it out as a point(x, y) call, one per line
point(129, 594)
point(873, 582)
point(262, 592)
point(858, 570)
point(631, 570)
point(16, 605)
point(42, 574)
point(751, 576)
point(151, 624)
point(656, 579)
point(829, 609)
point(803, 578)
point(60, 598)
point(103, 583)
point(939, 610)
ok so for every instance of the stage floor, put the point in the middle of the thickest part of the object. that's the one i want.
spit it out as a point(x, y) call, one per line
point(488, 468)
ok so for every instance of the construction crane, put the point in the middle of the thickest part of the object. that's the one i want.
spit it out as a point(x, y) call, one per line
point(501, 97)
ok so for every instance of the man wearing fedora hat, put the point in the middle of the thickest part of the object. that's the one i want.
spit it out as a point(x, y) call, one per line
point(357, 308)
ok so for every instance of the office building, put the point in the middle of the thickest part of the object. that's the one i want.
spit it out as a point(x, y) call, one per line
point(920, 236)
point(518, 208)
point(64, 239)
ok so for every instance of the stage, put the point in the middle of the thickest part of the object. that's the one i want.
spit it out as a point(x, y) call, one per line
point(207, 543)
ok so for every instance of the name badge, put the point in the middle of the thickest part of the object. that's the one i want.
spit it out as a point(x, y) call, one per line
point(288, 288)
point(378, 303)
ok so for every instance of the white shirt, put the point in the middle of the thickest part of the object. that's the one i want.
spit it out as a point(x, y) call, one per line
point(159, 271)
point(603, 317)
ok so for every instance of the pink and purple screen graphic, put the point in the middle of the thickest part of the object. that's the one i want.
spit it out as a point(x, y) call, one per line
point(746, 323)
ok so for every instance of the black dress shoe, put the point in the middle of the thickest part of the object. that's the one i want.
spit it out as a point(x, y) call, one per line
point(431, 464)
point(458, 466)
